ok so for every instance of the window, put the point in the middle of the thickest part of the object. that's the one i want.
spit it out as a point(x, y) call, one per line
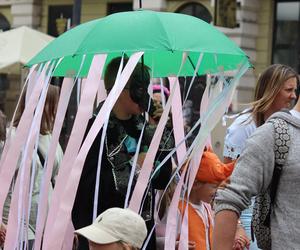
point(58, 18)
point(196, 10)
point(286, 39)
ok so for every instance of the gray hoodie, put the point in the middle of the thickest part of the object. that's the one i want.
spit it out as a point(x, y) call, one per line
point(253, 174)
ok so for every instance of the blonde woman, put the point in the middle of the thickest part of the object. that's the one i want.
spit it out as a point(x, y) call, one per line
point(275, 90)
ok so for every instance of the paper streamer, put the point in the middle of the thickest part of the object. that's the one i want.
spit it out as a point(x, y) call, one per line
point(83, 114)
point(61, 221)
point(147, 167)
point(177, 119)
point(171, 226)
point(96, 195)
point(68, 241)
point(21, 192)
point(8, 135)
point(65, 94)
point(101, 94)
point(12, 156)
point(184, 229)
point(207, 123)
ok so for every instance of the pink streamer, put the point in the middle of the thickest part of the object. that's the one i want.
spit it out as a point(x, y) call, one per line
point(12, 156)
point(65, 94)
point(184, 234)
point(84, 111)
point(204, 106)
point(68, 241)
point(31, 83)
point(30, 76)
point(20, 195)
point(171, 226)
point(101, 95)
point(147, 167)
point(195, 163)
point(177, 119)
point(59, 226)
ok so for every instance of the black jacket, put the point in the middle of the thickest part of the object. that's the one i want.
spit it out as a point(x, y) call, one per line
point(115, 170)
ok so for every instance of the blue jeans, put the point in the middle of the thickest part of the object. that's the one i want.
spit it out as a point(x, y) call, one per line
point(246, 220)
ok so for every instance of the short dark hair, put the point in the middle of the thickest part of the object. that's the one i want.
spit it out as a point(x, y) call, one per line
point(140, 73)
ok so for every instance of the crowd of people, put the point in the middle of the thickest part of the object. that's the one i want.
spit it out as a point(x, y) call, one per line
point(223, 193)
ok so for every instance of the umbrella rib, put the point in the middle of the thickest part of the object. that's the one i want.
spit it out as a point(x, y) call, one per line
point(166, 33)
point(86, 37)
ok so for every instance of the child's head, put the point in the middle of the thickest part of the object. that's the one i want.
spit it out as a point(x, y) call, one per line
point(157, 92)
point(211, 173)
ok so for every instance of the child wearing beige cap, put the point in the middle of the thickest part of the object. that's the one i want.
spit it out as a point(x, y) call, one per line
point(115, 229)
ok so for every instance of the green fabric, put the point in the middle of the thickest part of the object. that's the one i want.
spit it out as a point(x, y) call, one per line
point(163, 36)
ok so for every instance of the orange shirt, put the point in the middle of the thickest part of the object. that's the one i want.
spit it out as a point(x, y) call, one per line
point(196, 225)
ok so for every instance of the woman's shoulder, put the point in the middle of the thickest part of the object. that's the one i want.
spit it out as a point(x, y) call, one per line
point(243, 123)
point(237, 133)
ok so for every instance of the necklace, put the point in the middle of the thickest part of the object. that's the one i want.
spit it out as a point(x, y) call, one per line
point(116, 149)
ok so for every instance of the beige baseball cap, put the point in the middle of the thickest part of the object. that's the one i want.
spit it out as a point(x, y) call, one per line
point(116, 224)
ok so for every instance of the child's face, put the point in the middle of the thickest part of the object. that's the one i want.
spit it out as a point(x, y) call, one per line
point(206, 191)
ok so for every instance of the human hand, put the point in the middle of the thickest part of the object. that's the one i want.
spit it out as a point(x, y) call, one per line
point(156, 111)
point(241, 241)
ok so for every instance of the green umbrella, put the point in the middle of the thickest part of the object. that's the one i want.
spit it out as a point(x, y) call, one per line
point(163, 36)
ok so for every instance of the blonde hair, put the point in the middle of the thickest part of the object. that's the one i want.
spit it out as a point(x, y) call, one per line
point(49, 111)
point(269, 83)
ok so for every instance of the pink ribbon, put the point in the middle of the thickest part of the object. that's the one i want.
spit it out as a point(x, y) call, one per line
point(65, 94)
point(101, 95)
point(147, 167)
point(19, 203)
point(83, 114)
point(177, 119)
point(60, 222)
point(12, 156)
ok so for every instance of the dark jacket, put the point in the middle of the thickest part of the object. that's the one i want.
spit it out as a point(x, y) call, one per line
point(115, 171)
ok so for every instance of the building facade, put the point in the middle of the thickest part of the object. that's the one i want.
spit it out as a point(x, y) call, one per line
point(268, 31)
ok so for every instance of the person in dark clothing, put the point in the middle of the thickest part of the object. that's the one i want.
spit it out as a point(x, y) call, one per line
point(123, 131)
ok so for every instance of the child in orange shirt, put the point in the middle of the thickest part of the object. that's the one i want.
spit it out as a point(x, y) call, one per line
point(211, 173)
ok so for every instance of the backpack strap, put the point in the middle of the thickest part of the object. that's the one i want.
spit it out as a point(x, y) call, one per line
point(281, 150)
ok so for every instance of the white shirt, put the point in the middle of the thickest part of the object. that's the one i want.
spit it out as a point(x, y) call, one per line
point(237, 134)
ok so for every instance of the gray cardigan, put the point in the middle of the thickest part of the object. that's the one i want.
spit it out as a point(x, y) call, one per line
point(253, 173)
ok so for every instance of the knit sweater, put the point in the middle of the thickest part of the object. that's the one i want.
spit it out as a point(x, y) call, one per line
point(253, 174)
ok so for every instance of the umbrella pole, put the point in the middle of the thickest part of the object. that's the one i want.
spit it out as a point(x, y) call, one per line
point(140, 6)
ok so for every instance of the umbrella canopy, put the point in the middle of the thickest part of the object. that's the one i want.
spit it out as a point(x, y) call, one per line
point(162, 36)
point(18, 46)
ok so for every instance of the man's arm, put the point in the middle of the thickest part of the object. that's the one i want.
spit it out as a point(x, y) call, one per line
point(224, 230)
